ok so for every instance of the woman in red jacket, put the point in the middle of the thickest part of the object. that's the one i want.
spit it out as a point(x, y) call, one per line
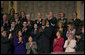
point(58, 43)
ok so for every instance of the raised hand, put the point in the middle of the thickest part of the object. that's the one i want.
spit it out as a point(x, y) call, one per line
point(10, 35)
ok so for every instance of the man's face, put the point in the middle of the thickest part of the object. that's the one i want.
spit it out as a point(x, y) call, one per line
point(39, 15)
point(74, 15)
point(28, 16)
point(35, 26)
point(16, 16)
point(13, 24)
point(50, 14)
point(4, 33)
point(22, 13)
point(61, 15)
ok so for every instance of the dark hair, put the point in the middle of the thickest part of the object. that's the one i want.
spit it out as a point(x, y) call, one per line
point(60, 32)
point(75, 13)
point(13, 10)
point(21, 11)
point(63, 13)
point(3, 31)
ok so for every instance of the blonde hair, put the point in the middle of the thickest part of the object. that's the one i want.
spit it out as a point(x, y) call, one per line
point(71, 26)
point(72, 35)
point(60, 23)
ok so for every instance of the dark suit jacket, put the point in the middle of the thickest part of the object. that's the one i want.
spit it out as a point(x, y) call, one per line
point(39, 24)
point(65, 22)
point(5, 45)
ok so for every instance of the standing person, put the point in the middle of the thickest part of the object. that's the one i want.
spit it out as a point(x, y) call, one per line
point(13, 28)
point(63, 19)
point(62, 29)
point(25, 31)
point(11, 14)
point(71, 29)
point(47, 30)
point(6, 22)
point(16, 19)
point(35, 32)
point(43, 42)
point(19, 44)
point(77, 22)
point(53, 23)
point(80, 40)
point(39, 20)
point(70, 44)
point(30, 23)
point(22, 16)
point(5, 43)
point(58, 43)
point(31, 46)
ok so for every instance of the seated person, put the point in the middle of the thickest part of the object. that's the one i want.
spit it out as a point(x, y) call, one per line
point(70, 44)
point(31, 46)
point(58, 43)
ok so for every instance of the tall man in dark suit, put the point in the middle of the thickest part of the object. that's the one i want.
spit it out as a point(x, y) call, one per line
point(76, 21)
point(30, 23)
point(52, 23)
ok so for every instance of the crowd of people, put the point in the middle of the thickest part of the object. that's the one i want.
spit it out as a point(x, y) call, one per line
point(22, 35)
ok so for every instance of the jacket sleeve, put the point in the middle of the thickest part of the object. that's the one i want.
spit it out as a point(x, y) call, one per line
point(54, 44)
point(16, 42)
point(34, 45)
point(5, 41)
point(27, 46)
point(23, 41)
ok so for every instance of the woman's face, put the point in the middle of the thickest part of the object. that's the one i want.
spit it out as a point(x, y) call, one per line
point(30, 39)
point(60, 24)
point(70, 36)
point(20, 33)
point(43, 22)
point(35, 26)
point(24, 24)
point(22, 13)
point(57, 34)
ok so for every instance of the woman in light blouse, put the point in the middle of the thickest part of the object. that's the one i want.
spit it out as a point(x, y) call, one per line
point(70, 44)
